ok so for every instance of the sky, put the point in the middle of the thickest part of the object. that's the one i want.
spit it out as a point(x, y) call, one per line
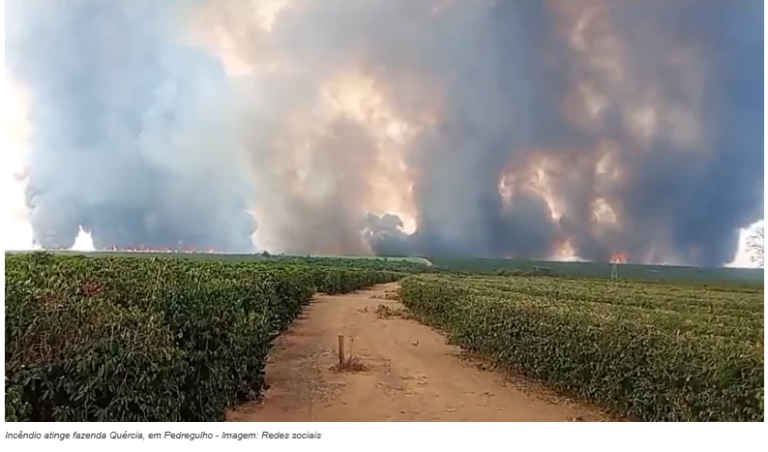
point(560, 130)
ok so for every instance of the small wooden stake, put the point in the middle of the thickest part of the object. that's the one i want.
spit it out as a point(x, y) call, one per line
point(341, 351)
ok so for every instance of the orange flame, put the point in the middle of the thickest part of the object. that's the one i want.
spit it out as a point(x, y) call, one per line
point(150, 249)
point(619, 258)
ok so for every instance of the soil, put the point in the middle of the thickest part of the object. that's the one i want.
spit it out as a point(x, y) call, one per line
point(396, 369)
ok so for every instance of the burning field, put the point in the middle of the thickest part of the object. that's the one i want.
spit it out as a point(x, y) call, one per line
point(491, 136)
point(571, 130)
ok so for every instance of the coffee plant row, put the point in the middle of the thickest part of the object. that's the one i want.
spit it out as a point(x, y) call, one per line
point(654, 352)
point(138, 339)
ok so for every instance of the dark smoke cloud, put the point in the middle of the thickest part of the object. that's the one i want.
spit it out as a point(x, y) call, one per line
point(149, 139)
point(679, 199)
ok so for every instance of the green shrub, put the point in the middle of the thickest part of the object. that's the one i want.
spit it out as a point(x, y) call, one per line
point(82, 359)
point(132, 339)
point(649, 364)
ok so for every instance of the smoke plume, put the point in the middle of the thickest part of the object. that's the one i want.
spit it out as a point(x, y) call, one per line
point(130, 128)
point(476, 127)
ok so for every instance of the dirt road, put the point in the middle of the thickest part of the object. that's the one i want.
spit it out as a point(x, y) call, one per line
point(410, 373)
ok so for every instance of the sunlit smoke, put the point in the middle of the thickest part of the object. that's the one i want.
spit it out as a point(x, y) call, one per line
point(566, 253)
point(744, 254)
point(17, 230)
point(83, 241)
point(565, 130)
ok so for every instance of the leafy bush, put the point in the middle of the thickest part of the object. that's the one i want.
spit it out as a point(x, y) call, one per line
point(127, 339)
point(696, 363)
point(334, 280)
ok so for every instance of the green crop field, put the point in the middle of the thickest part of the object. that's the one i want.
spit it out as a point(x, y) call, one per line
point(662, 273)
point(655, 352)
point(127, 339)
point(234, 257)
point(118, 336)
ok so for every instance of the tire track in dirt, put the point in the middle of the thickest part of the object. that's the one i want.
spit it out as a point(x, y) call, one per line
point(410, 373)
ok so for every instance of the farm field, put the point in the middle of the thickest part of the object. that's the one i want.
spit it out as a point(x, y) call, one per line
point(139, 337)
point(477, 266)
point(659, 273)
point(407, 372)
point(126, 339)
point(252, 257)
point(654, 352)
